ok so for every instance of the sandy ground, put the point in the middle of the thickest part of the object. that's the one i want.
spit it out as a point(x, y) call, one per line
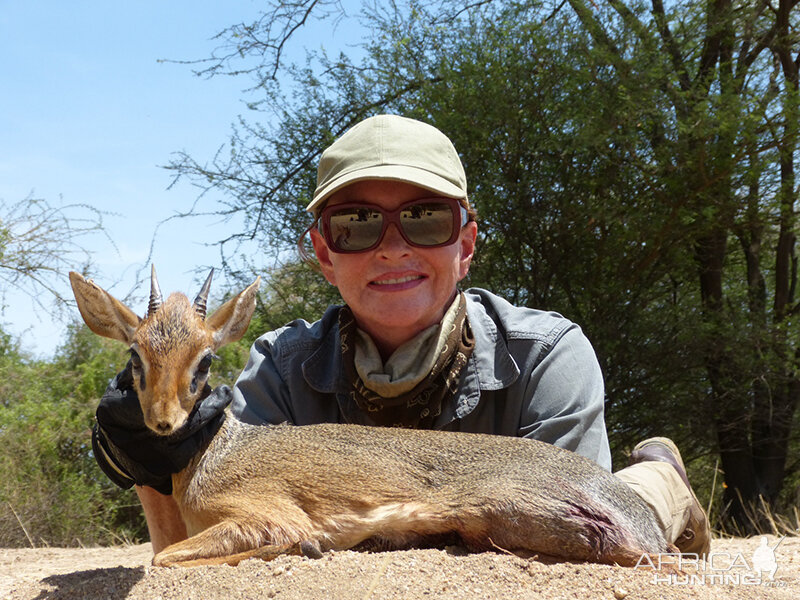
point(124, 572)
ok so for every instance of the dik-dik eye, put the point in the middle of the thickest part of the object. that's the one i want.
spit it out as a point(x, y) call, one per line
point(136, 361)
point(205, 364)
point(201, 373)
point(136, 369)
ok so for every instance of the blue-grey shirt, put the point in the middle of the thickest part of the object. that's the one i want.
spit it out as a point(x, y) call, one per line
point(531, 374)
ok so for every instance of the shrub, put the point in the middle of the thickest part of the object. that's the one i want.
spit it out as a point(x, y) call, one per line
point(51, 490)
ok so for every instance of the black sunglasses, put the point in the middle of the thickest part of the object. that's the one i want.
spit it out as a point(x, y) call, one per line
point(426, 223)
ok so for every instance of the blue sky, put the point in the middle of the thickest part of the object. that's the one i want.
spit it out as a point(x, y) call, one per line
point(88, 112)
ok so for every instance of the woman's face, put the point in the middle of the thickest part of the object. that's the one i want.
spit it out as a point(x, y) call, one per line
point(395, 290)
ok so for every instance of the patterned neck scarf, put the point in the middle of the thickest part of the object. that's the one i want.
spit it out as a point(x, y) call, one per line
point(417, 408)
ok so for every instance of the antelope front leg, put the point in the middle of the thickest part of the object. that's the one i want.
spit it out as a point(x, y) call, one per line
point(222, 544)
point(210, 546)
point(264, 553)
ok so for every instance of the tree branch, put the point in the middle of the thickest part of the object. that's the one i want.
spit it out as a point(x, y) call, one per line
point(599, 35)
point(672, 48)
point(709, 56)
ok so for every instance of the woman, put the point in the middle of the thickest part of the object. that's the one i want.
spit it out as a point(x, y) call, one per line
point(395, 233)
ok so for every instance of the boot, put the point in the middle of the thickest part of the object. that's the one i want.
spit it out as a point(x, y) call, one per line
point(696, 538)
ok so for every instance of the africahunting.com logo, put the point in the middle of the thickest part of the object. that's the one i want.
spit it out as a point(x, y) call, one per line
point(718, 568)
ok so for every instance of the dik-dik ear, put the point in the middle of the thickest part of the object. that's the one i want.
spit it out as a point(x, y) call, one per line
point(230, 320)
point(104, 314)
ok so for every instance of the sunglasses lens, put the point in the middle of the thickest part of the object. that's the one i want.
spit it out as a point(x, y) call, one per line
point(354, 229)
point(427, 224)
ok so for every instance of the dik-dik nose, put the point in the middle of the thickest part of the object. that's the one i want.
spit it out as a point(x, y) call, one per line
point(164, 427)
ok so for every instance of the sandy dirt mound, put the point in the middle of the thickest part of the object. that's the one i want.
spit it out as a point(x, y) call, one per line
point(124, 572)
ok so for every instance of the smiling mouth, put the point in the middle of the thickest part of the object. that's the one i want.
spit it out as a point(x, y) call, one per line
point(397, 280)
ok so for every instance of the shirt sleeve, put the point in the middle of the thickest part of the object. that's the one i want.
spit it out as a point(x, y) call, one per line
point(565, 405)
point(260, 394)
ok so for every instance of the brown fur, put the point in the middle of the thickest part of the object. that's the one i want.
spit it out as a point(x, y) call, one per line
point(261, 491)
point(174, 335)
point(339, 485)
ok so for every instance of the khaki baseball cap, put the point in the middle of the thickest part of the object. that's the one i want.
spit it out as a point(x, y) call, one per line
point(391, 147)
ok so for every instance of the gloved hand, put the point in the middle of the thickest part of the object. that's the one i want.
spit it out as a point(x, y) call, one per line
point(129, 452)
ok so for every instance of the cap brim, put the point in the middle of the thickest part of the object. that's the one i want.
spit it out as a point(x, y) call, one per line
point(407, 174)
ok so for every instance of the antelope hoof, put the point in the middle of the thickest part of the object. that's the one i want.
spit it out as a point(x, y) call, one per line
point(310, 549)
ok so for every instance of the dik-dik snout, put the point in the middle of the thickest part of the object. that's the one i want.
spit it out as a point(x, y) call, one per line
point(169, 399)
point(171, 355)
point(172, 347)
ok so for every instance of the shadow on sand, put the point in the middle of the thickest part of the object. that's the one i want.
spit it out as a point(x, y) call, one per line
point(113, 583)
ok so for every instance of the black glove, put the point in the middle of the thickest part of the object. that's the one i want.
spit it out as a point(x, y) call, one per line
point(129, 452)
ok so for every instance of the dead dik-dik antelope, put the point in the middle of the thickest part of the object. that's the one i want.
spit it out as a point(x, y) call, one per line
point(259, 491)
